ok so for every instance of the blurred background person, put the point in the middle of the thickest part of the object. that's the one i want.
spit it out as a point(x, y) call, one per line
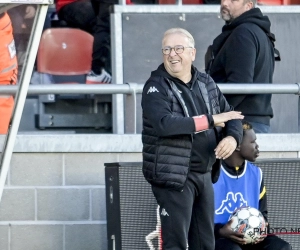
point(8, 69)
point(244, 53)
point(76, 14)
point(22, 17)
point(94, 18)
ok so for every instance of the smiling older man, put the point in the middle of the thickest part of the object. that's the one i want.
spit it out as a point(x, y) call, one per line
point(182, 108)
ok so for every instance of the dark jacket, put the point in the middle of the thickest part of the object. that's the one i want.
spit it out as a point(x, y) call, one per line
point(244, 53)
point(168, 127)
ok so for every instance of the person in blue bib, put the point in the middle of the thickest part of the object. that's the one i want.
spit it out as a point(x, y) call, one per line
point(240, 184)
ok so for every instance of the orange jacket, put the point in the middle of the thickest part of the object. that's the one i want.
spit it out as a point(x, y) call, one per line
point(6, 109)
point(8, 69)
point(8, 58)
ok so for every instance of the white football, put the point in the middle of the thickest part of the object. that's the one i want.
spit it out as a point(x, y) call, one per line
point(249, 221)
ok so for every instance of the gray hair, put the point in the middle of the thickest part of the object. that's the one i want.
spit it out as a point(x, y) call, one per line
point(253, 1)
point(183, 32)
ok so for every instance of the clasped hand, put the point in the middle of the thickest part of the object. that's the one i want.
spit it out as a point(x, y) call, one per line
point(226, 146)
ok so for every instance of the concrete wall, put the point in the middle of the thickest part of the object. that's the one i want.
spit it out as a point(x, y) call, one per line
point(54, 196)
point(55, 193)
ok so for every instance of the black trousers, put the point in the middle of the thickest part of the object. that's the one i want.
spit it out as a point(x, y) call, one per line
point(102, 44)
point(187, 217)
point(86, 15)
point(92, 16)
point(271, 242)
point(79, 14)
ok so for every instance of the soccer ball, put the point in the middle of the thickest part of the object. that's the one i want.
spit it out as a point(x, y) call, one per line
point(249, 221)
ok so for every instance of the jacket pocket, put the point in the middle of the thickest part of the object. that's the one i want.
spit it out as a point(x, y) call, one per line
point(154, 170)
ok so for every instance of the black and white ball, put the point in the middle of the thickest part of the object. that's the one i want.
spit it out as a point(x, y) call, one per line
point(249, 221)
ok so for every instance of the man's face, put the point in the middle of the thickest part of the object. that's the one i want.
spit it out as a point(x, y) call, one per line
point(249, 147)
point(231, 9)
point(178, 65)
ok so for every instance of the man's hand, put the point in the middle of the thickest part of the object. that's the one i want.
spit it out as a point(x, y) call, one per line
point(226, 232)
point(225, 147)
point(220, 119)
point(30, 12)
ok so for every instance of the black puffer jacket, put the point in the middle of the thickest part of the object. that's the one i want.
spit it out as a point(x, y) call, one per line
point(244, 53)
point(168, 128)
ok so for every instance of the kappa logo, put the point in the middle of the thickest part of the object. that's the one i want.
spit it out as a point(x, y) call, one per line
point(231, 203)
point(12, 49)
point(152, 90)
point(164, 212)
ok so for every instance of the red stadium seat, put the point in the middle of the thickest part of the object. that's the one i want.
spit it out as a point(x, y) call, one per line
point(270, 2)
point(65, 51)
point(278, 2)
point(183, 1)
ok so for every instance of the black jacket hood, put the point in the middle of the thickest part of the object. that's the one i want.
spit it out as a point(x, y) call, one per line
point(254, 16)
point(251, 16)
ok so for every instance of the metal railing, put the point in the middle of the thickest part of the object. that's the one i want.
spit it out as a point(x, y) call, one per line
point(132, 89)
point(137, 88)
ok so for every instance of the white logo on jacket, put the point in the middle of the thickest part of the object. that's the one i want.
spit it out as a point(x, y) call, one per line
point(152, 90)
point(231, 203)
point(164, 212)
